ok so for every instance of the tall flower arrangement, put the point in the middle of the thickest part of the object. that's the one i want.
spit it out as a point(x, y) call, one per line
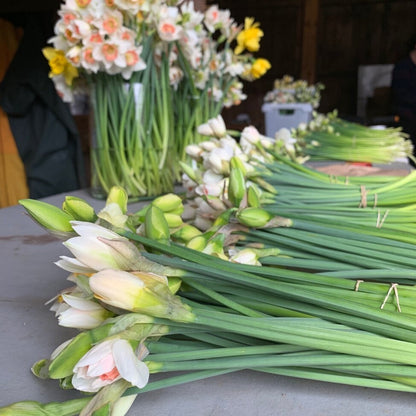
point(155, 70)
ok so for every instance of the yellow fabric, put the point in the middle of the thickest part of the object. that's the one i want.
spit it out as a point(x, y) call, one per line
point(13, 184)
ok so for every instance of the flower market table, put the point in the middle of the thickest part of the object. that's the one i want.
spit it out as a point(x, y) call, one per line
point(29, 332)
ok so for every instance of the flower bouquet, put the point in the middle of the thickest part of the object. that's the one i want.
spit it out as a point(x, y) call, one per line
point(288, 90)
point(154, 69)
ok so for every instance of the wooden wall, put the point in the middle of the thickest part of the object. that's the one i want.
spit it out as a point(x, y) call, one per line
point(325, 41)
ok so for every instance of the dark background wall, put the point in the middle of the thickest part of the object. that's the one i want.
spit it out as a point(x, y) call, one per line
point(325, 41)
point(317, 40)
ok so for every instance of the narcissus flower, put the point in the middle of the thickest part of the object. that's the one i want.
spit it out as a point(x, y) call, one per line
point(76, 312)
point(107, 362)
point(140, 292)
point(260, 67)
point(60, 65)
point(249, 37)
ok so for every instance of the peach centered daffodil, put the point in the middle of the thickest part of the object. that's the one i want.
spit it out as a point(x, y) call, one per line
point(108, 362)
point(249, 37)
point(59, 65)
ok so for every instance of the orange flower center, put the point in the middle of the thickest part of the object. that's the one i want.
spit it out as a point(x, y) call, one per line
point(110, 25)
point(111, 375)
point(88, 56)
point(68, 17)
point(69, 35)
point(83, 3)
point(110, 52)
point(132, 58)
point(96, 38)
point(168, 28)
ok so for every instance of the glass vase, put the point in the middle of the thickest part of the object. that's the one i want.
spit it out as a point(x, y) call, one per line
point(126, 148)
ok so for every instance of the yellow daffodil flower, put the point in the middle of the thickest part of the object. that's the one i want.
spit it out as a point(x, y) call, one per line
point(60, 65)
point(249, 37)
point(260, 67)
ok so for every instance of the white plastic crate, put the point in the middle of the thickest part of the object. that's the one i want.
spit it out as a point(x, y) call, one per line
point(277, 116)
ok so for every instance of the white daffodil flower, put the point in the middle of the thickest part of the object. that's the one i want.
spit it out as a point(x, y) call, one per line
point(113, 214)
point(213, 127)
point(194, 151)
point(209, 145)
point(107, 362)
point(92, 252)
point(76, 312)
point(73, 265)
point(98, 248)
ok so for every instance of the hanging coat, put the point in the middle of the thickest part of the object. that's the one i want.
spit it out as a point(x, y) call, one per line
point(42, 125)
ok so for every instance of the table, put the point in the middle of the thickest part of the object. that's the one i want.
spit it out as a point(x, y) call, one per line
point(29, 332)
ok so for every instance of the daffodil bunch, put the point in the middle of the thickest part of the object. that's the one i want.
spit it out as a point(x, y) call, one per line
point(328, 137)
point(222, 171)
point(144, 304)
point(289, 90)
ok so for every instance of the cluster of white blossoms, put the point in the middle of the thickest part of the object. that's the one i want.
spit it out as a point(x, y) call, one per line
point(110, 36)
point(207, 181)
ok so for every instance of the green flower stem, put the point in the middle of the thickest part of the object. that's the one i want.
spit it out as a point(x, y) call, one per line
point(334, 377)
point(133, 139)
point(205, 354)
point(178, 380)
point(398, 325)
point(294, 331)
point(318, 359)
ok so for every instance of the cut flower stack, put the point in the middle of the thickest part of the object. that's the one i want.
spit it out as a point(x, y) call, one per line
point(193, 283)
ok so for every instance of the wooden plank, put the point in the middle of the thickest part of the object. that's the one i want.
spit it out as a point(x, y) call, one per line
point(309, 40)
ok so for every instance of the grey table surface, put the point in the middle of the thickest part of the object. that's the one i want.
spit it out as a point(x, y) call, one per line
point(29, 332)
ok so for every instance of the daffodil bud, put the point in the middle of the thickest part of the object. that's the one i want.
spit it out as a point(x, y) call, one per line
point(223, 218)
point(139, 292)
point(236, 186)
point(156, 225)
point(167, 203)
point(63, 363)
point(194, 151)
point(118, 195)
point(173, 220)
point(32, 408)
point(113, 214)
point(253, 198)
point(253, 217)
point(48, 216)
point(213, 127)
point(217, 126)
point(198, 243)
point(186, 233)
point(215, 247)
point(79, 209)
point(237, 163)
point(188, 170)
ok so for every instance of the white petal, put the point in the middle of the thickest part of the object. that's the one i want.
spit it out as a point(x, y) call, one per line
point(128, 365)
point(93, 230)
point(96, 353)
point(92, 252)
point(73, 265)
point(83, 384)
point(80, 303)
point(73, 318)
point(102, 366)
